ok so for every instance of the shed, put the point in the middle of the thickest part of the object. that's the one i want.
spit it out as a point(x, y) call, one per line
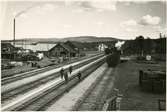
point(77, 46)
point(62, 50)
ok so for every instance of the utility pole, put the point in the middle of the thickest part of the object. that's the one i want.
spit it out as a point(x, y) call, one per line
point(14, 36)
point(14, 32)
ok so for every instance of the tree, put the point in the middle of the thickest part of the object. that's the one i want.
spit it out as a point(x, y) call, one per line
point(139, 43)
point(149, 45)
point(161, 45)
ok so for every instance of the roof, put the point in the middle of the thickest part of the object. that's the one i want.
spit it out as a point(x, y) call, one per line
point(7, 48)
point(68, 48)
point(5, 45)
point(75, 44)
point(37, 47)
point(18, 48)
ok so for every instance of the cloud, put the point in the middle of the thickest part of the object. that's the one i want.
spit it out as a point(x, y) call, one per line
point(144, 21)
point(96, 5)
point(130, 30)
point(24, 12)
point(67, 26)
point(100, 23)
point(23, 15)
point(150, 20)
point(108, 5)
point(129, 2)
point(160, 29)
point(128, 23)
point(37, 10)
point(48, 7)
point(77, 11)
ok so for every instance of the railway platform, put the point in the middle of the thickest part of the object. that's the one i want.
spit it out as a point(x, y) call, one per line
point(80, 97)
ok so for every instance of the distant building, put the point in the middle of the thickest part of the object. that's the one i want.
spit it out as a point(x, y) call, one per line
point(62, 50)
point(77, 46)
point(37, 47)
point(102, 47)
point(7, 51)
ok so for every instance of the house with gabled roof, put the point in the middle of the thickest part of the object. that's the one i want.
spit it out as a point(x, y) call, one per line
point(77, 46)
point(62, 50)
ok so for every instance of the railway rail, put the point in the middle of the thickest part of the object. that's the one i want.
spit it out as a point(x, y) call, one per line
point(41, 102)
point(15, 77)
point(23, 88)
point(95, 97)
point(19, 102)
point(37, 76)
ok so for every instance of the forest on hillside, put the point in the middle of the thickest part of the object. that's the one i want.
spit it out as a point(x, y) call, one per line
point(146, 46)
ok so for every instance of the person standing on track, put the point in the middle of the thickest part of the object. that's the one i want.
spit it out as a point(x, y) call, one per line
point(66, 77)
point(70, 69)
point(79, 75)
point(62, 73)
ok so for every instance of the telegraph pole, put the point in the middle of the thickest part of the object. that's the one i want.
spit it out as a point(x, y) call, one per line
point(14, 36)
point(14, 32)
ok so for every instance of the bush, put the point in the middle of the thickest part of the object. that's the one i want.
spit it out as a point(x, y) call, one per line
point(6, 66)
point(30, 58)
point(159, 57)
point(82, 54)
point(141, 58)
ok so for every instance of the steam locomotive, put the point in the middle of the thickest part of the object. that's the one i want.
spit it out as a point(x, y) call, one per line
point(113, 56)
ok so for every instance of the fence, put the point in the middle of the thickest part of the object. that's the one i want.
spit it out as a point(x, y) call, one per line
point(161, 104)
point(114, 103)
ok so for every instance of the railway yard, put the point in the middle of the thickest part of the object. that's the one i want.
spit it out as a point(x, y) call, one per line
point(39, 89)
point(100, 55)
point(44, 90)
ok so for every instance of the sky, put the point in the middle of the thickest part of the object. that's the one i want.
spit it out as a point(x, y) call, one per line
point(70, 18)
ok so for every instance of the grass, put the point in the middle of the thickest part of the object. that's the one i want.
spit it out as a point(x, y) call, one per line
point(134, 98)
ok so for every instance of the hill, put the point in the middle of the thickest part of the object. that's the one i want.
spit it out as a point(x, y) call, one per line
point(89, 39)
point(55, 40)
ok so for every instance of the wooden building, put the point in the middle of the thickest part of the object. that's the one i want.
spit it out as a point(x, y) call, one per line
point(77, 46)
point(62, 50)
point(7, 51)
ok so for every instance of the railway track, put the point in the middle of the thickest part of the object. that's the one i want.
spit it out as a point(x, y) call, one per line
point(20, 76)
point(35, 76)
point(41, 102)
point(96, 96)
point(14, 92)
point(42, 83)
